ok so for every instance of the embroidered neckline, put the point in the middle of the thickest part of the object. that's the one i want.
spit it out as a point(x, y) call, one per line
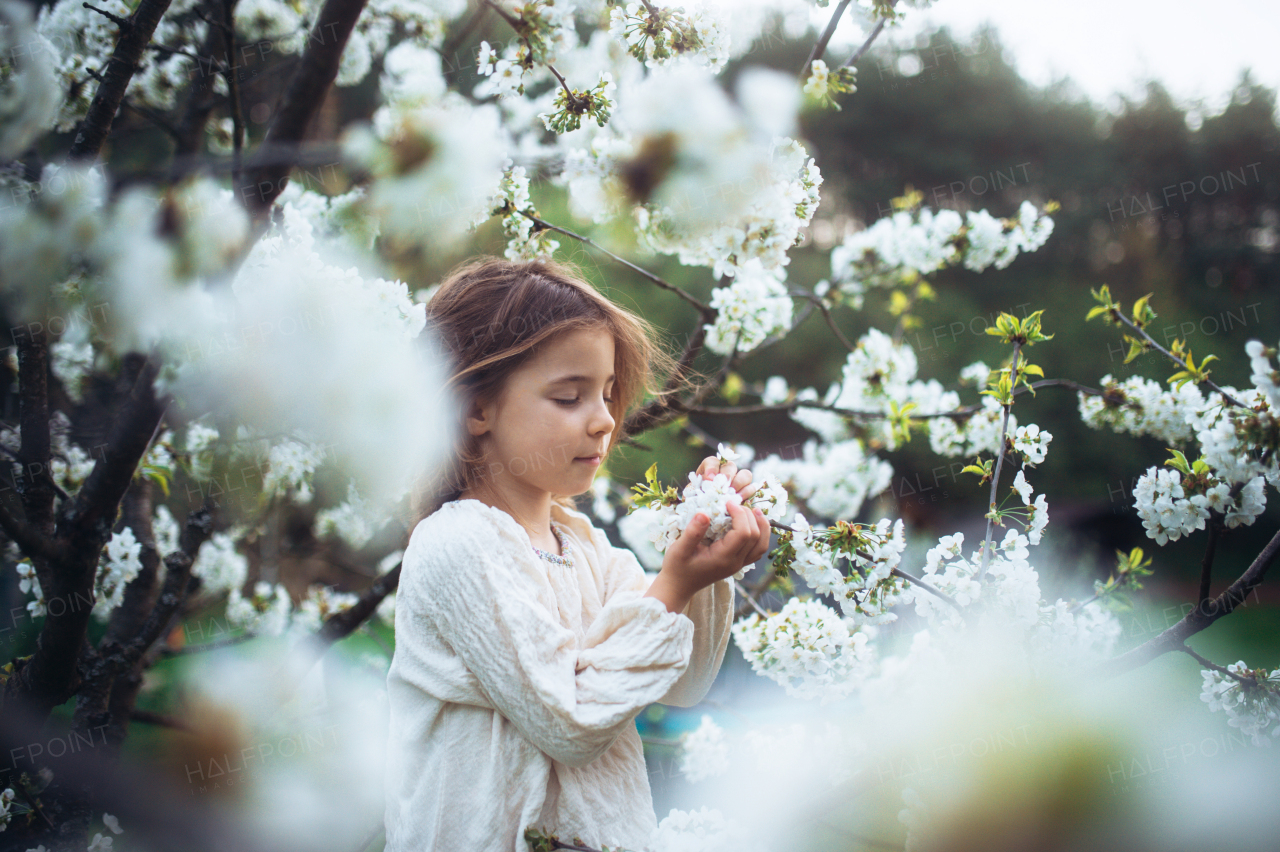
point(565, 548)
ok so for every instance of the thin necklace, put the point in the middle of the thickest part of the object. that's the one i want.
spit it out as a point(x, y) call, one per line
point(567, 559)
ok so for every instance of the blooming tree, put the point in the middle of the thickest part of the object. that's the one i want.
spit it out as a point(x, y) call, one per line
point(213, 316)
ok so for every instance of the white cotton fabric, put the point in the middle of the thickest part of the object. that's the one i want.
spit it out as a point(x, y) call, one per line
point(515, 683)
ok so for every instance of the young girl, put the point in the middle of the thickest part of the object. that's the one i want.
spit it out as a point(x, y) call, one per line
point(525, 643)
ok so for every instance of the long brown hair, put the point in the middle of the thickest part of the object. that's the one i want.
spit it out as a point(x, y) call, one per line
point(488, 317)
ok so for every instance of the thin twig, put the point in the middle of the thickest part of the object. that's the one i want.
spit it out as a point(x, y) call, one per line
point(995, 479)
point(896, 572)
point(820, 46)
point(1217, 668)
point(746, 593)
point(866, 45)
point(826, 314)
point(708, 313)
point(1174, 358)
point(575, 103)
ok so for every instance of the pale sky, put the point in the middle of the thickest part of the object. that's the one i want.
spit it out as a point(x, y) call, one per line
point(1196, 50)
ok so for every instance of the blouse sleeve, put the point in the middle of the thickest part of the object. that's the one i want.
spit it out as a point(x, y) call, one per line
point(710, 610)
point(498, 613)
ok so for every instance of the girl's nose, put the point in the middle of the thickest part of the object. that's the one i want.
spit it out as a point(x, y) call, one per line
point(602, 421)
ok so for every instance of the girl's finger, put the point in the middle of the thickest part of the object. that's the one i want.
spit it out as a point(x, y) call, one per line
point(762, 544)
point(708, 465)
point(729, 469)
point(740, 481)
point(744, 528)
point(686, 545)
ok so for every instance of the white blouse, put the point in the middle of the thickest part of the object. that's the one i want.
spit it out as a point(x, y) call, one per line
point(515, 683)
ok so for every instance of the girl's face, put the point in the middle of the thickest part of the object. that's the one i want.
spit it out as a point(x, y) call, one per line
point(549, 428)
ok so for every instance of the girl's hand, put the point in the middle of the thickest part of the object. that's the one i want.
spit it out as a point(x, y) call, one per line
point(692, 564)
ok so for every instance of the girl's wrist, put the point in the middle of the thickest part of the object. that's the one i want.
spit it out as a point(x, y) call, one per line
point(672, 593)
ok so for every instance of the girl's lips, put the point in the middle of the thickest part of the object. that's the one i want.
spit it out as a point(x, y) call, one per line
point(588, 459)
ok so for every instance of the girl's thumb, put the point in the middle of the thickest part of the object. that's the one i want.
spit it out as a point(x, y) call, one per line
point(687, 543)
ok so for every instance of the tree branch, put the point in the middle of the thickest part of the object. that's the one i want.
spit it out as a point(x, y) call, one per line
point(1198, 619)
point(1174, 358)
point(122, 65)
point(1206, 565)
point(312, 81)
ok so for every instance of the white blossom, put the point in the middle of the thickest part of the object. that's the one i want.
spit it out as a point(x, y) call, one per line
point(704, 753)
point(807, 648)
point(1032, 443)
point(219, 566)
point(753, 307)
point(265, 613)
point(1253, 707)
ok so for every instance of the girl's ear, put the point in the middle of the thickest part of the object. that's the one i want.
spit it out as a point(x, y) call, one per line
point(479, 419)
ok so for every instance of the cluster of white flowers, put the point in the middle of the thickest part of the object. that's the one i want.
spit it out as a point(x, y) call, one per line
point(1014, 597)
point(505, 75)
point(814, 561)
point(1264, 374)
point(1032, 443)
point(871, 589)
point(291, 467)
point(909, 244)
point(69, 463)
point(834, 479)
point(29, 583)
point(640, 529)
point(996, 242)
point(1253, 706)
point(81, 38)
point(6, 799)
point(41, 239)
point(894, 246)
point(671, 34)
point(72, 359)
point(1071, 636)
point(716, 183)
point(712, 497)
point(264, 613)
point(773, 208)
point(512, 202)
point(354, 520)
point(165, 531)
point(601, 506)
point(704, 753)
point(1231, 437)
point(977, 433)
point(1037, 513)
point(703, 830)
point(754, 307)
point(436, 165)
point(219, 565)
point(118, 564)
point(320, 603)
point(411, 74)
point(807, 647)
point(1150, 409)
point(1167, 513)
point(29, 85)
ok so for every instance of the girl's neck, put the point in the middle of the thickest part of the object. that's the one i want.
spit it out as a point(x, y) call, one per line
point(531, 511)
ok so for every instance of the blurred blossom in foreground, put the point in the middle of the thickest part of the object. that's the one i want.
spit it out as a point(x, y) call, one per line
point(296, 750)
